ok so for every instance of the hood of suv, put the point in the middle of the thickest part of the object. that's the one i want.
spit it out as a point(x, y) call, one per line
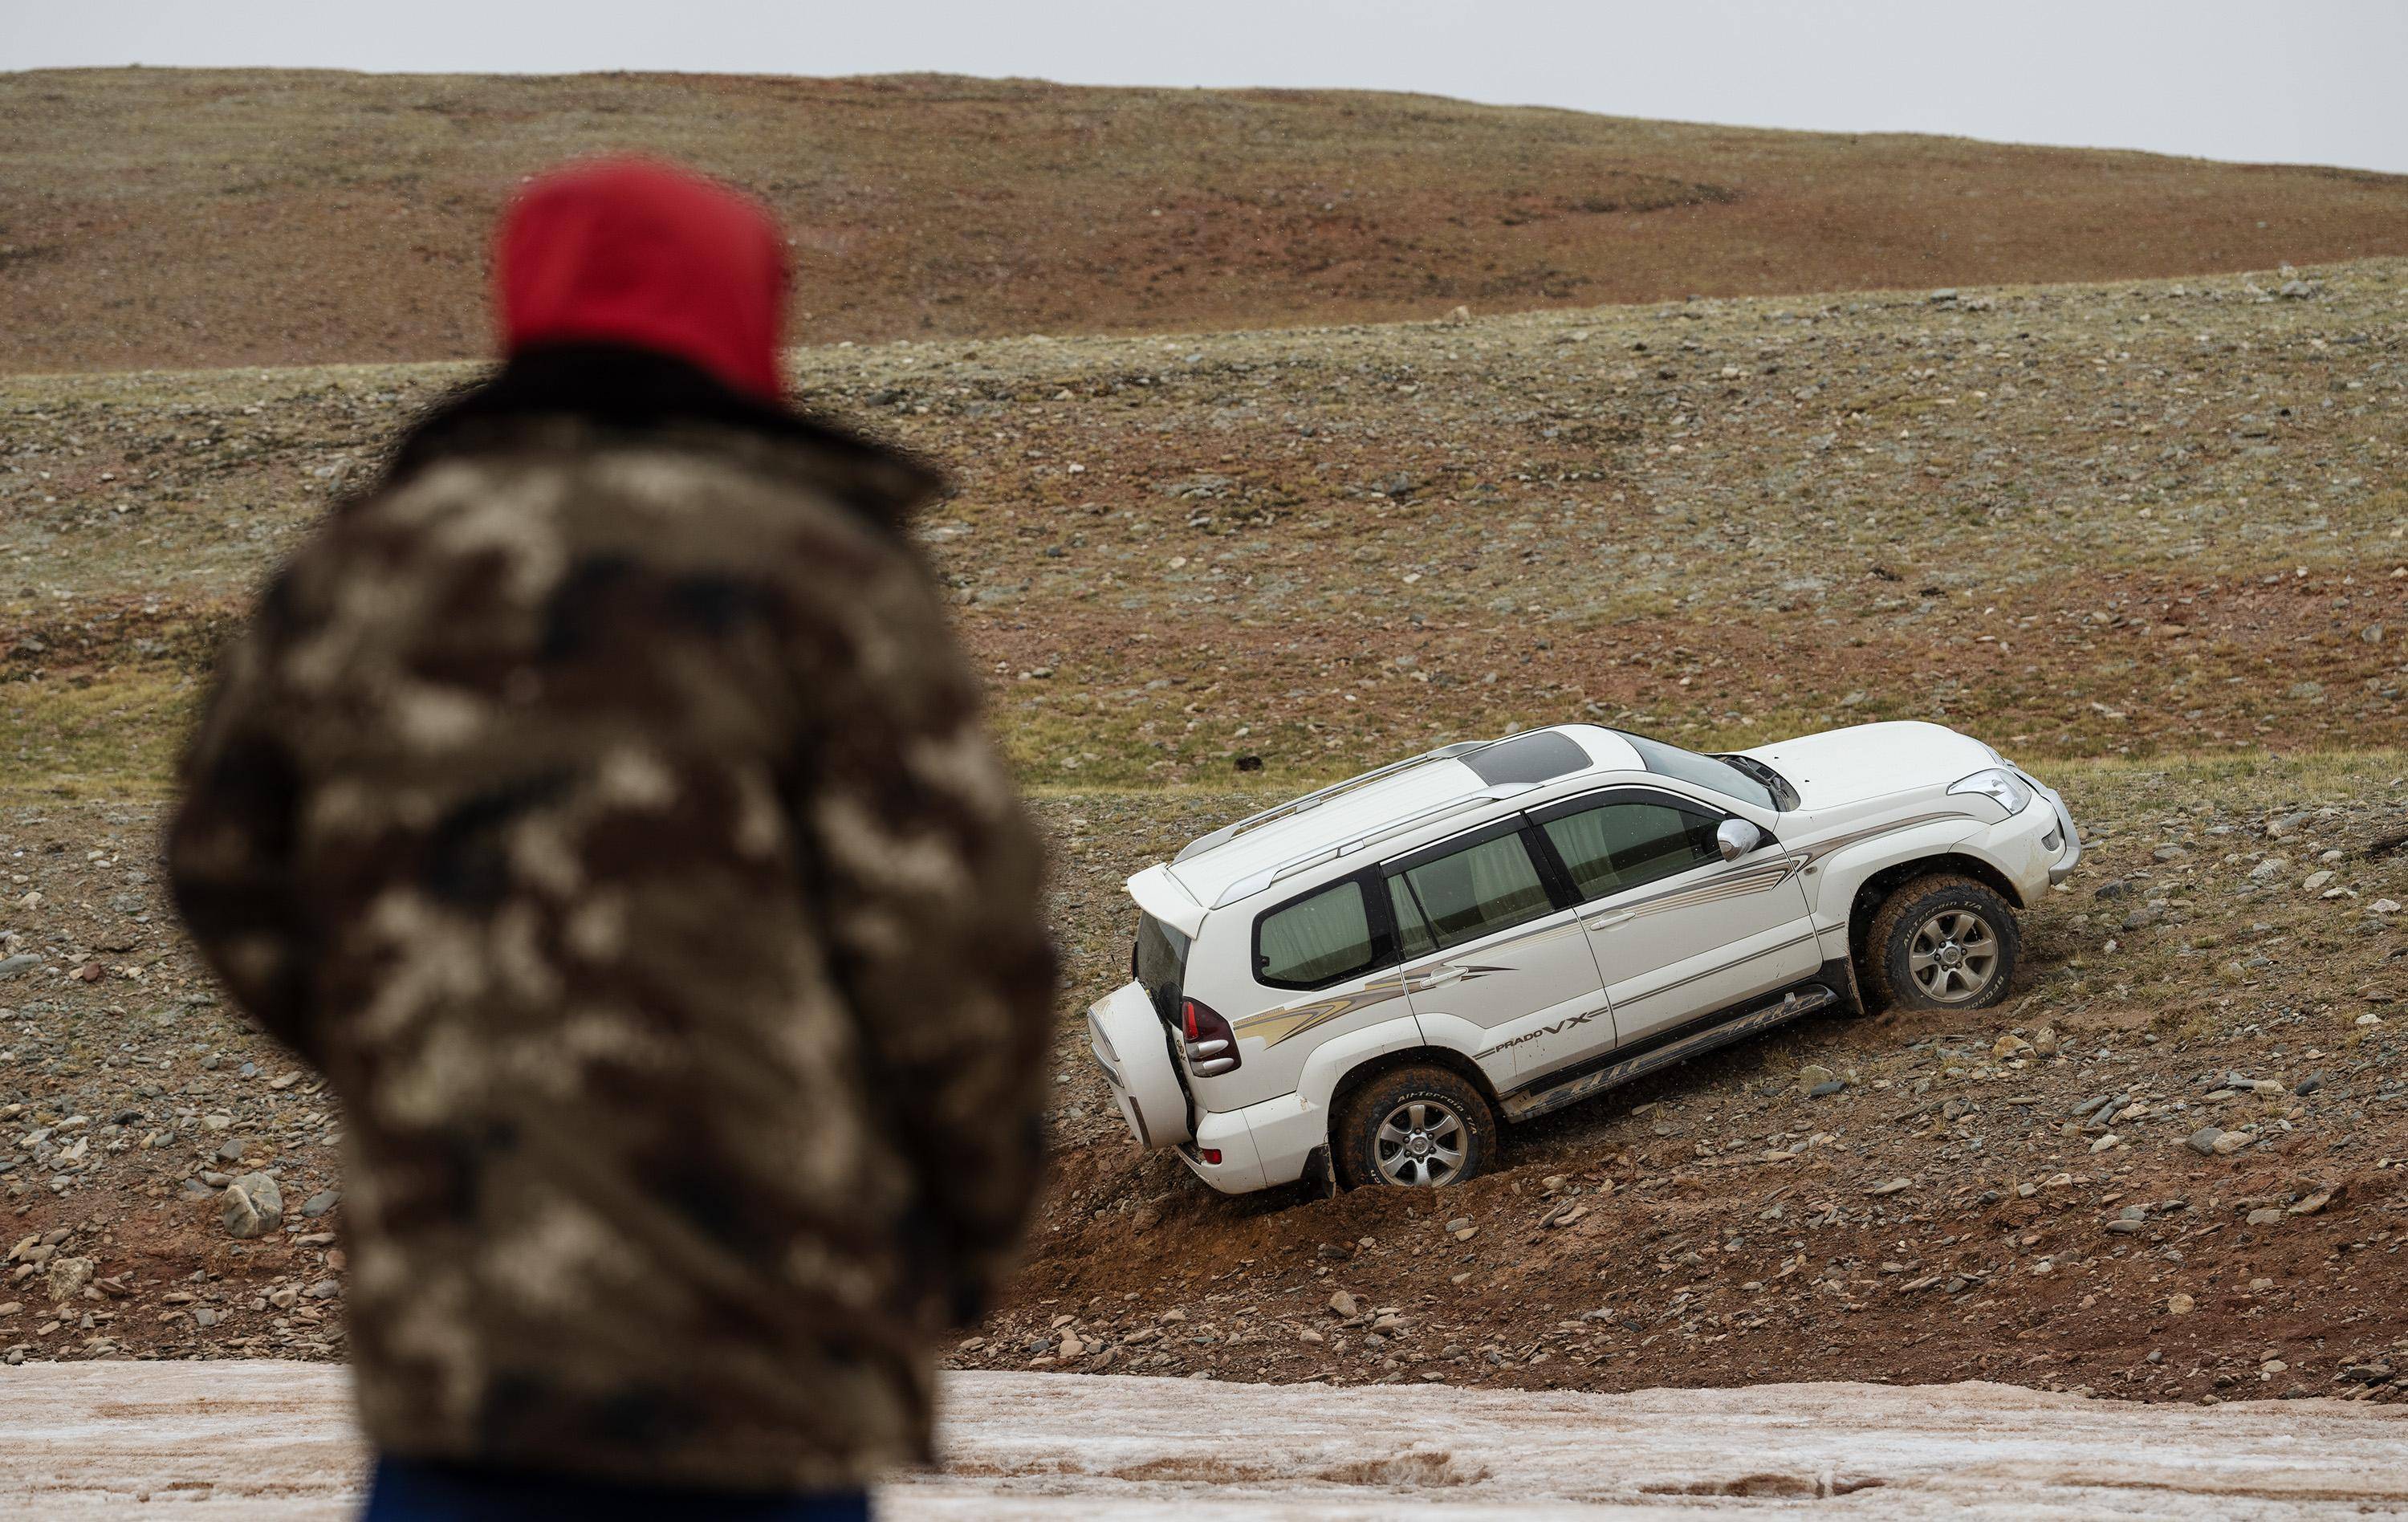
point(1844, 766)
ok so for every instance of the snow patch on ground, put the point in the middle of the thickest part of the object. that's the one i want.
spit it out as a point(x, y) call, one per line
point(274, 1440)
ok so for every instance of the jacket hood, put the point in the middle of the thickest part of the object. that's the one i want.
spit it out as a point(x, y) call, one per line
point(640, 253)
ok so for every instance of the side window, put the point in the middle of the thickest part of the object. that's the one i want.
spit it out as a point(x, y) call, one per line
point(1616, 847)
point(1317, 940)
point(1475, 891)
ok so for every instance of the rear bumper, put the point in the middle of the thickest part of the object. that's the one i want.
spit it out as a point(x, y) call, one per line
point(1260, 1146)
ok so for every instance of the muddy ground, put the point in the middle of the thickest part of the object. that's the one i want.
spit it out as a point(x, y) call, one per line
point(260, 1439)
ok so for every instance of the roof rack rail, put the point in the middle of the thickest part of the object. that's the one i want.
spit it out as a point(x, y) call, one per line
point(1256, 883)
point(1314, 799)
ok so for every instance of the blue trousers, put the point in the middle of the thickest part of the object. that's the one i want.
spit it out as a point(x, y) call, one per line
point(404, 1490)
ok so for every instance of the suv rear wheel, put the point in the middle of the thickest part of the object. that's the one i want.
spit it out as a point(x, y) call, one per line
point(1414, 1127)
point(1942, 943)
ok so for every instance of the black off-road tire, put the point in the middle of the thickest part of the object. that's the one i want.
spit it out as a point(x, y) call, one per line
point(1905, 945)
point(1367, 1151)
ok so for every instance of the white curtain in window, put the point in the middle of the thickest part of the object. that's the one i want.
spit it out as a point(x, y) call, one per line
point(1622, 845)
point(1485, 888)
point(1325, 935)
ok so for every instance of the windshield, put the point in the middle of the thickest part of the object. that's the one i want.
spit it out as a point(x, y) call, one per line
point(1740, 777)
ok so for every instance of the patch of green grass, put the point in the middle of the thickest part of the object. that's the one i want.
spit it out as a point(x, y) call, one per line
point(117, 737)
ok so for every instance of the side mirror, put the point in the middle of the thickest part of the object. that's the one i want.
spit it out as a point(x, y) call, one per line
point(1736, 838)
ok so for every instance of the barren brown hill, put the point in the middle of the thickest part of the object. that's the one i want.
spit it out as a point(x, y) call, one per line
point(154, 218)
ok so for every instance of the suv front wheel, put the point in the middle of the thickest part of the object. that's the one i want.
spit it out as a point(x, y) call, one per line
point(1942, 943)
point(1414, 1127)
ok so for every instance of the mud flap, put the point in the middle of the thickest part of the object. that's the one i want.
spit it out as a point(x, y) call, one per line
point(1320, 1174)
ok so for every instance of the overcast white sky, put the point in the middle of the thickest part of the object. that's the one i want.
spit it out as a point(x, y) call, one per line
point(2280, 81)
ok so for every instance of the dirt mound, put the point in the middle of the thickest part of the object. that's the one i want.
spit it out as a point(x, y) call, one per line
point(1968, 1207)
point(156, 218)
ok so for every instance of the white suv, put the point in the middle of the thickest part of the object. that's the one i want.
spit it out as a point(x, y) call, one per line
point(1367, 979)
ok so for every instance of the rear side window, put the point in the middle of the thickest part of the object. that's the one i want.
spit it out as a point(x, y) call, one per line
point(1159, 964)
point(1478, 890)
point(1616, 847)
point(1317, 940)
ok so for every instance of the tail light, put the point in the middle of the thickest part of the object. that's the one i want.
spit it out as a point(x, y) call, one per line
point(1212, 1045)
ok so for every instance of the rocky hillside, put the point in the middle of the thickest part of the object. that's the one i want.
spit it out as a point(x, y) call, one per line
point(152, 218)
point(2147, 535)
point(2078, 520)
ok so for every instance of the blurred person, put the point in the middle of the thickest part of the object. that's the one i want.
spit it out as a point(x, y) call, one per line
point(600, 801)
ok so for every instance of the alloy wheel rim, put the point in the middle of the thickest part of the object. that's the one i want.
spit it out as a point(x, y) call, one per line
point(1953, 957)
point(1421, 1144)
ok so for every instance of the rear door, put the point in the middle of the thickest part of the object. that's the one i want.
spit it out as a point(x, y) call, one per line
point(1677, 932)
point(1491, 939)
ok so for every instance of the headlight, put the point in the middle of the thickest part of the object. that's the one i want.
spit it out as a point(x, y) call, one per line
point(2000, 786)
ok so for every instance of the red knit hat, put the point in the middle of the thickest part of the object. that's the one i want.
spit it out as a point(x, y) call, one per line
point(633, 252)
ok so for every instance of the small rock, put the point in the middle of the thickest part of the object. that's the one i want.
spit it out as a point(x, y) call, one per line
point(2265, 1216)
point(324, 1200)
point(251, 1206)
point(2203, 1140)
point(2180, 1305)
point(2384, 906)
point(17, 966)
point(1813, 1074)
point(2010, 1046)
point(2232, 1141)
point(2316, 880)
point(2313, 1203)
point(66, 1278)
point(1345, 1304)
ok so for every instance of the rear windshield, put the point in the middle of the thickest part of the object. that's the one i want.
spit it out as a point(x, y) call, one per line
point(1158, 964)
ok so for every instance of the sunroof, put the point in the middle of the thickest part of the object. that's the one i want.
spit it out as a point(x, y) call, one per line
point(1535, 757)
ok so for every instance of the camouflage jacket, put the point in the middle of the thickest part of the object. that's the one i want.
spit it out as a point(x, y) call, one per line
point(607, 813)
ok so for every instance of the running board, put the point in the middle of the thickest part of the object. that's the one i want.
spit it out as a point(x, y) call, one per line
point(1738, 1027)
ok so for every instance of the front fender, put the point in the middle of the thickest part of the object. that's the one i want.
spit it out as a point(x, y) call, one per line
point(1834, 874)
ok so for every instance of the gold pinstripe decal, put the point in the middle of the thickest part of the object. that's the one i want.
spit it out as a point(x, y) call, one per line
point(1285, 1022)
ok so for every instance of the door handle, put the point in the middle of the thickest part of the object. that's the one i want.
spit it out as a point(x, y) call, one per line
point(1607, 921)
